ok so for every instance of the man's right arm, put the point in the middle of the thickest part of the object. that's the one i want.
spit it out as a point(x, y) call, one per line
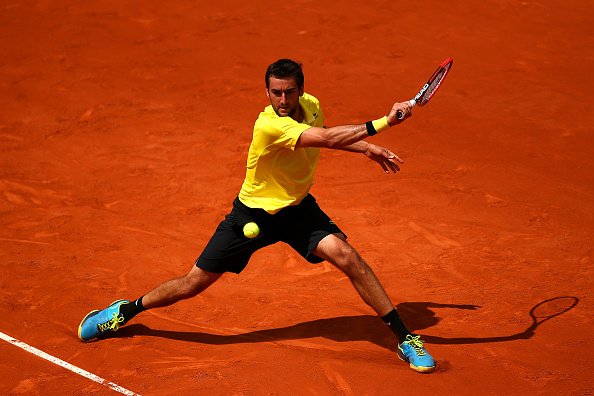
point(345, 135)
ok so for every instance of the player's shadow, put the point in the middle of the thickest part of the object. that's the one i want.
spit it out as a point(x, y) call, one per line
point(417, 316)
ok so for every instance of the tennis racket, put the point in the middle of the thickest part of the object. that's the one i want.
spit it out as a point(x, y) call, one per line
point(431, 87)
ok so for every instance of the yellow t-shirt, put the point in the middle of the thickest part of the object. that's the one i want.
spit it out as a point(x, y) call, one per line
point(278, 175)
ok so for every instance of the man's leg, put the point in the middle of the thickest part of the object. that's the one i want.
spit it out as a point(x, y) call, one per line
point(337, 251)
point(98, 323)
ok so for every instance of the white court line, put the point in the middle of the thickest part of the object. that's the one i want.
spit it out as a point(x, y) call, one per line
point(67, 366)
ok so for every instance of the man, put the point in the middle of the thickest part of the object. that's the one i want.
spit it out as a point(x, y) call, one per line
point(275, 195)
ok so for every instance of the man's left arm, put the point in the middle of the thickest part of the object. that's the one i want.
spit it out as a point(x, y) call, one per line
point(387, 159)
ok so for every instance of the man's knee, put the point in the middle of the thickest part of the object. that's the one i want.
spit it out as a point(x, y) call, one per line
point(196, 281)
point(350, 262)
point(337, 251)
point(357, 267)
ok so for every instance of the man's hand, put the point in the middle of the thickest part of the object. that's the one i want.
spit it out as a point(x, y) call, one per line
point(387, 159)
point(405, 107)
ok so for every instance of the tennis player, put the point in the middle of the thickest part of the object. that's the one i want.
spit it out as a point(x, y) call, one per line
point(281, 163)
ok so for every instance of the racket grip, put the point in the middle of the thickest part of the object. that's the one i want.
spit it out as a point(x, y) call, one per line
point(400, 114)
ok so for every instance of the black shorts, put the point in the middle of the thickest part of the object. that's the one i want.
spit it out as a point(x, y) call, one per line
point(301, 226)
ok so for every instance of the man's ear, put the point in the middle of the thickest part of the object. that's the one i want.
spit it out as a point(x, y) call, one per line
point(268, 93)
point(302, 90)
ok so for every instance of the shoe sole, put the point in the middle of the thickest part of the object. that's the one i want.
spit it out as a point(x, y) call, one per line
point(423, 370)
point(91, 314)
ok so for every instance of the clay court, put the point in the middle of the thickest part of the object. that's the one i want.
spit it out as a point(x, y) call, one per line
point(124, 130)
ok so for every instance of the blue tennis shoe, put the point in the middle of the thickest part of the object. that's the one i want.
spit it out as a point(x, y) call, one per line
point(98, 323)
point(412, 352)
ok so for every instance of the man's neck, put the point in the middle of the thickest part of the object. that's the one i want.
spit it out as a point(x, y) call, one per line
point(298, 116)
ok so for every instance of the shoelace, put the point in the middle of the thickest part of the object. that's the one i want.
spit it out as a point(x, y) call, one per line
point(416, 343)
point(112, 324)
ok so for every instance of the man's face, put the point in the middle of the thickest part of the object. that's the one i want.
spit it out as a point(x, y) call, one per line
point(284, 97)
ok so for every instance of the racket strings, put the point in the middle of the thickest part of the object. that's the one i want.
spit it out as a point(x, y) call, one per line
point(435, 83)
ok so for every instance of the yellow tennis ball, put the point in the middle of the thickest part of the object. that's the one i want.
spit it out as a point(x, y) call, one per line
point(251, 230)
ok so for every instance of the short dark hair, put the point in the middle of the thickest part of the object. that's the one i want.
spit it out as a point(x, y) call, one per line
point(285, 68)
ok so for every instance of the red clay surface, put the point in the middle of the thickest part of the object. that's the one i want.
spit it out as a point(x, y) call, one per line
point(124, 129)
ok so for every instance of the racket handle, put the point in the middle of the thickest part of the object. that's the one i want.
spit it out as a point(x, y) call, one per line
point(400, 114)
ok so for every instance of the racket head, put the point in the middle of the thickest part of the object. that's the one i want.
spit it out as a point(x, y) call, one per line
point(435, 82)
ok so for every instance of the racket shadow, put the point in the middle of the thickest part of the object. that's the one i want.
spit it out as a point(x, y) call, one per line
point(539, 313)
point(370, 328)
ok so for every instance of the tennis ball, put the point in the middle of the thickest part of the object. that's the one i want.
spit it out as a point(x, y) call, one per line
point(251, 230)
